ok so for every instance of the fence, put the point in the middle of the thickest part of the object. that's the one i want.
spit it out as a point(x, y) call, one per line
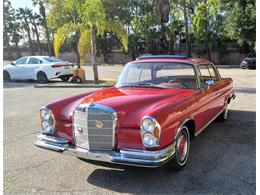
point(231, 54)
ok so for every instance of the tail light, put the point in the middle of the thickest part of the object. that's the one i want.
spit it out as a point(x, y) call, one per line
point(56, 66)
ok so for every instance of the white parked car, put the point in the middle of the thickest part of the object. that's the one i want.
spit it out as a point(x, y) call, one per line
point(40, 68)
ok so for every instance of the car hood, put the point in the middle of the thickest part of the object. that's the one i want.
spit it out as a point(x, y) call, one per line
point(131, 104)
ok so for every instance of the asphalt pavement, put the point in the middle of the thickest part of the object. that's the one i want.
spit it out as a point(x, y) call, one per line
point(222, 157)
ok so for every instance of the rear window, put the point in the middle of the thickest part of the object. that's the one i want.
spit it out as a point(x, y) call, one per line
point(52, 59)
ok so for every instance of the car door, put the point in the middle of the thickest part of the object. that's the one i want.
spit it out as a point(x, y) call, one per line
point(31, 66)
point(212, 100)
point(17, 71)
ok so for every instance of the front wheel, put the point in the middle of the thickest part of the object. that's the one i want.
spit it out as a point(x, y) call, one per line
point(182, 148)
point(6, 76)
point(42, 78)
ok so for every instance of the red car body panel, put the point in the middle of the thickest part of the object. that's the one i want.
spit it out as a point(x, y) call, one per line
point(170, 107)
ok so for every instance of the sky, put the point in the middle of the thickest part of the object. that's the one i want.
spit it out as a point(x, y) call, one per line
point(24, 3)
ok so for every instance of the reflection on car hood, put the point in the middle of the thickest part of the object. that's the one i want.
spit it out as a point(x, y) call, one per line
point(134, 103)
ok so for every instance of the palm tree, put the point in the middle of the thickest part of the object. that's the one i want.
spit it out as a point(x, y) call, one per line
point(35, 20)
point(42, 3)
point(162, 9)
point(23, 15)
point(16, 36)
point(88, 22)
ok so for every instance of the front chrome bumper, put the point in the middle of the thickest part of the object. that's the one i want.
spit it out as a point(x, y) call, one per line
point(124, 156)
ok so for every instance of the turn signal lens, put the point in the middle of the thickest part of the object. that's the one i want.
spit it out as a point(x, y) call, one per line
point(156, 132)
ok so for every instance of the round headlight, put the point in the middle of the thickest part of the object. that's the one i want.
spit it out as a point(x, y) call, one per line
point(47, 120)
point(149, 140)
point(148, 125)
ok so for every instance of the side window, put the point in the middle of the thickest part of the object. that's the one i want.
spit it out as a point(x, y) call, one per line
point(33, 61)
point(21, 61)
point(207, 72)
point(212, 73)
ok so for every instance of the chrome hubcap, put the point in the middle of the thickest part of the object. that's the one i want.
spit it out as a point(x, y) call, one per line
point(182, 146)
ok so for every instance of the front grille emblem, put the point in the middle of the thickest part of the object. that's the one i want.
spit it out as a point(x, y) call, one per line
point(99, 124)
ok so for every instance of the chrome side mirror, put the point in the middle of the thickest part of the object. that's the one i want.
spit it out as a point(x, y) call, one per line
point(13, 63)
point(209, 83)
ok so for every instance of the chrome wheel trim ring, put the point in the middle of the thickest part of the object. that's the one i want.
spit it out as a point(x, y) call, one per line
point(181, 159)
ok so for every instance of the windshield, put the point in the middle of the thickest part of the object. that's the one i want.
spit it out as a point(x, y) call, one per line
point(158, 75)
point(52, 59)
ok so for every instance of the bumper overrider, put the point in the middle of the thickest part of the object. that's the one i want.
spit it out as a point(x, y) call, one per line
point(123, 156)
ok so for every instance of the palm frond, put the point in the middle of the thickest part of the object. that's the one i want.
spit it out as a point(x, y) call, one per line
point(84, 44)
point(120, 32)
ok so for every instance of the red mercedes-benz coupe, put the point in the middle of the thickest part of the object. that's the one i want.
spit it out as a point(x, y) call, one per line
point(148, 118)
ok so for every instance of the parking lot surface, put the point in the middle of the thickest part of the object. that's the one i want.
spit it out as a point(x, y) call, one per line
point(222, 158)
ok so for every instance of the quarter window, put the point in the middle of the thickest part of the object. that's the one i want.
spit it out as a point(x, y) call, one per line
point(207, 72)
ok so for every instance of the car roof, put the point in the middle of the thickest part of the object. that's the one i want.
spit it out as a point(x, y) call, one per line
point(39, 56)
point(171, 58)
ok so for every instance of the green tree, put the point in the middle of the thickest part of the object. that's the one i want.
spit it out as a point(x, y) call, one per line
point(241, 22)
point(84, 21)
point(204, 21)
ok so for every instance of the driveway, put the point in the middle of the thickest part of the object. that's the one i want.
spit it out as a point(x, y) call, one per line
point(222, 158)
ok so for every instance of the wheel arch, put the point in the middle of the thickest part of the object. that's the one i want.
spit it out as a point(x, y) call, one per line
point(190, 123)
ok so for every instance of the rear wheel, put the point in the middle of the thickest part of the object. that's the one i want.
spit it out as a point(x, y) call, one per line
point(224, 115)
point(182, 148)
point(65, 77)
point(42, 77)
point(6, 76)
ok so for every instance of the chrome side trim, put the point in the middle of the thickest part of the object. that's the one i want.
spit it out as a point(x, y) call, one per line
point(204, 127)
point(141, 158)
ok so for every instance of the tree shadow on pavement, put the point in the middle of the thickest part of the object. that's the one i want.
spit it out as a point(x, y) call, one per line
point(218, 163)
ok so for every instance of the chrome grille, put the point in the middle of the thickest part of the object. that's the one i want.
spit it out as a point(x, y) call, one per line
point(94, 127)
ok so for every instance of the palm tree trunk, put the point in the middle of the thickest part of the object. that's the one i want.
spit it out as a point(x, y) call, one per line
point(38, 39)
point(29, 38)
point(94, 57)
point(188, 46)
point(18, 52)
point(42, 12)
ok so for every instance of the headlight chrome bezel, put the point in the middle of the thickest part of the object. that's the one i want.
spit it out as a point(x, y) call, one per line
point(155, 132)
point(43, 119)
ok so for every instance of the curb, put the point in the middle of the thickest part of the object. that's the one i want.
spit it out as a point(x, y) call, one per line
point(228, 66)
